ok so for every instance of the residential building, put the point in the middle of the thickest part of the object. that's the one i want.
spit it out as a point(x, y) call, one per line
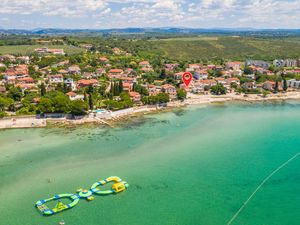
point(55, 79)
point(257, 63)
point(208, 83)
point(236, 65)
point(84, 83)
point(170, 90)
point(115, 73)
point(127, 86)
point(249, 85)
point(200, 74)
point(71, 84)
point(269, 85)
point(145, 64)
point(293, 83)
point(53, 51)
point(2, 90)
point(135, 96)
point(279, 63)
point(232, 80)
point(74, 69)
point(73, 96)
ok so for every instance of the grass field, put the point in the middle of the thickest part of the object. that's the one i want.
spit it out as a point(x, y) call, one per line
point(28, 49)
point(235, 48)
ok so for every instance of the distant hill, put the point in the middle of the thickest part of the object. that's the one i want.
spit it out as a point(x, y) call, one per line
point(151, 31)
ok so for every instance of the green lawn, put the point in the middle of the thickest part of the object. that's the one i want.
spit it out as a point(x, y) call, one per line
point(28, 49)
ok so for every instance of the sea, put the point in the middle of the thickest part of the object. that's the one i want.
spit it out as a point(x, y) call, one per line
point(190, 166)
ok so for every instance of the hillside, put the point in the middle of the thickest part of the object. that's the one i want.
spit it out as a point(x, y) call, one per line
point(29, 49)
point(235, 48)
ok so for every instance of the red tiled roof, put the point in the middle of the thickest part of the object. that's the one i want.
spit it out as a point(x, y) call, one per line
point(115, 71)
point(71, 93)
point(87, 82)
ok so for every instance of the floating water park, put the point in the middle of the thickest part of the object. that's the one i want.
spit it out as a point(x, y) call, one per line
point(118, 186)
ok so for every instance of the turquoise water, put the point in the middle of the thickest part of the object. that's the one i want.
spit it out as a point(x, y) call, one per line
point(191, 166)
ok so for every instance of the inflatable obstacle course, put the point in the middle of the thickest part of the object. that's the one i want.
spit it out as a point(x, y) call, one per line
point(118, 186)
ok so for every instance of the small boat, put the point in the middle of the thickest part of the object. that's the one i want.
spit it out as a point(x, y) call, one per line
point(62, 222)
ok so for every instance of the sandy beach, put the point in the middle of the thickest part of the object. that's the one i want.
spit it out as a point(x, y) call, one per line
point(192, 99)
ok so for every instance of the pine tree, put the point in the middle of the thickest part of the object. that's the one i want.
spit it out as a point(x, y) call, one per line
point(43, 89)
point(116, 89)
point(112, 89)
point(276, 86)
point(285, 87)
point(91, 105)
point(120, 86)
point(162, 74)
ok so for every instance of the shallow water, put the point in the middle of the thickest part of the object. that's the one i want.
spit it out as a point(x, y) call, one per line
point(191, 166)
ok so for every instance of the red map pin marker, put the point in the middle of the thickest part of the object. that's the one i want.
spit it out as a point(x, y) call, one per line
point(187, 78)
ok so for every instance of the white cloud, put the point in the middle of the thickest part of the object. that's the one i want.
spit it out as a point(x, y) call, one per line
point(51, 7)
point(141, 13)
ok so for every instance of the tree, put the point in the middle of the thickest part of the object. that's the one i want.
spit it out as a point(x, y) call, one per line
point(120, 86)
point(91, 104)
point(43, 89)
point(181, 94)
point(61, 104)
point(5, 102)
point(218, 89)
point(248, 70)
point(45, 105)
point(140, 89)
point(163, 98)
point(276, 86)
point(78, 108)
point(162, 74)
point(112, 89)
point(15, 93)
point(285, 86)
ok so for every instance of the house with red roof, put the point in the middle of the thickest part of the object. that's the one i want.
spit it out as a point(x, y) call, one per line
point(85, 83)
point(115, 73)
point(145, 64)
point(269, 85)
point(74, 69)
point(135, 96)
point(25, 80)
point(127, 86)
point(25, 87)
point(103, 59)
point(73, 96)
point(209, 82)
point(232, 80)
point(170, 90)
point(235, 65)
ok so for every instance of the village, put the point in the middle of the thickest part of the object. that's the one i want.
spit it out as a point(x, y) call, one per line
point(50, 83)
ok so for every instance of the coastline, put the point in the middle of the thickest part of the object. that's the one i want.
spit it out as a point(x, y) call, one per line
point(192, 99)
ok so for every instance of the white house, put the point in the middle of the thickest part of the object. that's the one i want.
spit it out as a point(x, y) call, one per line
point(293, 83)
point(55, 79)
point(73, 96)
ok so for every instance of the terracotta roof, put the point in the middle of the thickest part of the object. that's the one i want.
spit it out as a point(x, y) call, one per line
point(87, 82)
point(115, 71)
point(166, 86)
point(134, 94)
point(71, 93)
point(56, 76)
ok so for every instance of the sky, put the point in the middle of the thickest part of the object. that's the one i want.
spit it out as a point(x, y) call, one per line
point(102, 14)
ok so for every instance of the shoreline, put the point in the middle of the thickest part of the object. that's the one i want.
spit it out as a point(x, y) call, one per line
point(117, 116)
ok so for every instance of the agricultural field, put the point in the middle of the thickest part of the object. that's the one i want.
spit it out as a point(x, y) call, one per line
point(235, 48)
point(29, 49)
